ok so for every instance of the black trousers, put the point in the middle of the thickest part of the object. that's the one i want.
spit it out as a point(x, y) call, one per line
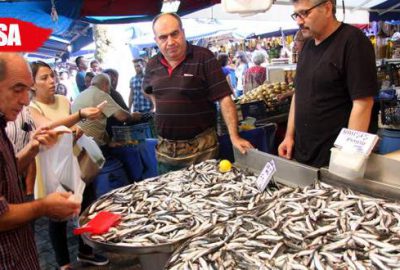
point(58, 232)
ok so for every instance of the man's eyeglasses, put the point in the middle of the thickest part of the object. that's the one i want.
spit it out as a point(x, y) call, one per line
point(302, 14)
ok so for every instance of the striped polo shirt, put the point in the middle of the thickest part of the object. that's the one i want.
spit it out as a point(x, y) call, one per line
point(185, 96)
point(17, 246)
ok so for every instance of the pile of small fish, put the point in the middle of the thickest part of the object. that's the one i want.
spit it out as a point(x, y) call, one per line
point(178, 205)
point(316, 227)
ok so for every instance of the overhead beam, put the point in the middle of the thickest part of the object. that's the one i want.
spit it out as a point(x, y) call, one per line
point(382, 10)
point(390, 9)
point(82, 32)
point(361, 5)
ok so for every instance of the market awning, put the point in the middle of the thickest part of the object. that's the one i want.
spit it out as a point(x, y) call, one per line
point(194, 30)
point(278, 33)
point(386, 11)
point(128, 11)
point(72, 27)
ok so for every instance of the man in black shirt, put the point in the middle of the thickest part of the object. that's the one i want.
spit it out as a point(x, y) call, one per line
point(184, 81)
point(335, 83)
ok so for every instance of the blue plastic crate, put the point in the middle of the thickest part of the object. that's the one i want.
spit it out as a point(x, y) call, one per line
point(133, 134)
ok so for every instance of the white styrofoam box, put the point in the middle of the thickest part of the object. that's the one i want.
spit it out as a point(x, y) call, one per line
point(347, 165)
point(275, 75)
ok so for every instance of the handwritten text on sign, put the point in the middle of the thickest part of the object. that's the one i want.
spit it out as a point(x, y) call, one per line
point(357, 141)
point(266, 175)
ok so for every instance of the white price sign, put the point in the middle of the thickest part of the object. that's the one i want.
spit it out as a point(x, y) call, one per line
point(266, 175)
point(356, 141)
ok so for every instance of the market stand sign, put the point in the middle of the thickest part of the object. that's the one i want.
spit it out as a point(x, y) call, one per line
point(21, 36)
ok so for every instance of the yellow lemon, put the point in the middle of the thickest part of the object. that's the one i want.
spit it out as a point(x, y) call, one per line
point(225, 166)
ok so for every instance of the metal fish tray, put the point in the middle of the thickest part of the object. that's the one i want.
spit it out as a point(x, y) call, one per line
point(162, 248)
point(151, 258)
point(381, 179)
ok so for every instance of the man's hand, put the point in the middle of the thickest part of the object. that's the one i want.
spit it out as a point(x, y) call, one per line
point(45, 136)
point(92, 113)
point(285, 95)
point(77, 131)
point(241, 144)
point(136, 116)
point(285, 149)
point(57, 206)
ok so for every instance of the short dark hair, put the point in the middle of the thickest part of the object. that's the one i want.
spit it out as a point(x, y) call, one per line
point(89, 74)
point(94, 61)
point(78, 60)
point(111, 71)
point(36, 65)
point(139, 60)
point(176, 16)
point(223, 59)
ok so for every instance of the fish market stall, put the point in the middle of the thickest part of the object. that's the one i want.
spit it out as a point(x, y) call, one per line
point(210, 220)
point(159, 214)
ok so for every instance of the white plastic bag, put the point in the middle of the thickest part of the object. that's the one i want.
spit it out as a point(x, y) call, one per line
point(92, 149)
point(60, 168)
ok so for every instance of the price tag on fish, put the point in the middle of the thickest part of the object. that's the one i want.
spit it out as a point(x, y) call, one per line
point(266, 175)
point(356, 141)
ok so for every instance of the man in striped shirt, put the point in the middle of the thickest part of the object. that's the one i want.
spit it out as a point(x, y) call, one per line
point(17, 245)
point(184, 82)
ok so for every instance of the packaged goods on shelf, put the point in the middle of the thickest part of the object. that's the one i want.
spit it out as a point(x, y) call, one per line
point(390, 112)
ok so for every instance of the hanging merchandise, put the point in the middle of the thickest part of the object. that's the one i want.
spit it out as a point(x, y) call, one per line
point(53, 14)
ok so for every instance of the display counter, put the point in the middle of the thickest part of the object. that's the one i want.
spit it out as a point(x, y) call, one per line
point(331, 209)
point(394, 155)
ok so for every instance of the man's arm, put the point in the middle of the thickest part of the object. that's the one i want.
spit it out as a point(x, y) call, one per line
point(360, 115)
point(229, 113)
point(125, 116)
point(285, 149)
point(26, 156)
point(30, 178)
point(153, 100)
point(112, 108)
point(55, 205)
point(130, 99)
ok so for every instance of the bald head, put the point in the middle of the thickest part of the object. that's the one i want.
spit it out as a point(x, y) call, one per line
point(102, 81)
point(170, 37)
point(173, 16)
point(8, 58)
point(15, 83)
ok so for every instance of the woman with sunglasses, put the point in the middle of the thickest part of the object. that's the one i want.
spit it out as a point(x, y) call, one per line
point(335, 83)
point(49, 109)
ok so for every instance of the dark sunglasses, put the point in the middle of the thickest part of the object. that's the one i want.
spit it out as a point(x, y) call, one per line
point(302, 14)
